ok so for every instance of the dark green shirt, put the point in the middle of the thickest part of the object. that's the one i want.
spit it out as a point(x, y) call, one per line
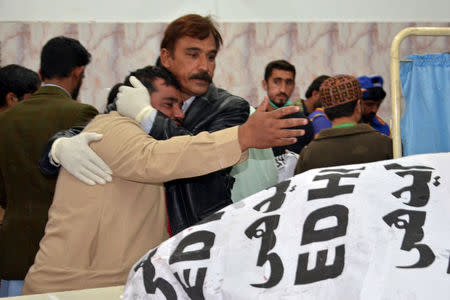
point(25, 193)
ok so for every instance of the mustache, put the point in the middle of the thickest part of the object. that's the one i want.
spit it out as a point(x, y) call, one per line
point(368, 118)
point(202, 76)
point(282, 94)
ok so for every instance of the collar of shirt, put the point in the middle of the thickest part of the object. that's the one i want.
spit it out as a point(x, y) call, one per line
point(349, 124)
point(288, 103)
point(187, 103)
point(49, 84)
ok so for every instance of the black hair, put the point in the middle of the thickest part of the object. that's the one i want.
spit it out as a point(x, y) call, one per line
point(18, 80)
point(145, 75)
point(375, 94)
point(113, 93)
point(191, 25)
point(61, 55)
point(315, 85)
point(279, 65)
point(112, 97)
point(148, 74)
point(339, 111)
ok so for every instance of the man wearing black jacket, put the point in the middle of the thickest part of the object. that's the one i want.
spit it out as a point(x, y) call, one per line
point(188, 50)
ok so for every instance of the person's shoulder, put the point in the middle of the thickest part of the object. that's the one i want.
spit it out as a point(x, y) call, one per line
point(223, 101)
point(301, 104)
point(363, 127)
point(380, 120)
point(24, 109)
point(298, 114)
point(312, 147)
point(382, 143)
point(79, 105)
point(298, 102)
point(379, 135)
point(72, 107)
point(383, 137)
point(325, 134)
point(236, 100)
point(112, 116)
point(104, 122)
point(317, 113)
point(223, 94)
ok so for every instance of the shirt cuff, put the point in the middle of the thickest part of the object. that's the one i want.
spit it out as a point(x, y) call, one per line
point(147, 123)
point(52, 162)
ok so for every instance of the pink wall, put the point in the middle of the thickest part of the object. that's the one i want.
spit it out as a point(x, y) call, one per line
point(314, 48)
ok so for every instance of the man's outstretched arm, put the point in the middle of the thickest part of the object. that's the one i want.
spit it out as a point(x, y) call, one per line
point(133, 155)
point(252, 134)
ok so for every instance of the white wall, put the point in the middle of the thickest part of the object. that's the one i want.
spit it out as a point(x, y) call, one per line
point(226, 10)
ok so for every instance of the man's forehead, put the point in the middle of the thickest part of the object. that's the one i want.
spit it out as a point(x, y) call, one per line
point(158, 82)
point(208, 44)
point(161, 83)
point(284, 74)
point(371, 101)
point(167, 90)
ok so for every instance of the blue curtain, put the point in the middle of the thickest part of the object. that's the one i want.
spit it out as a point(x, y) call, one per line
point(425, 125)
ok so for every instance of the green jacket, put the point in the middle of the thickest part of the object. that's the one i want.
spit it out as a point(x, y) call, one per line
point(25, 193)
point(343, 146)
point(256, 173)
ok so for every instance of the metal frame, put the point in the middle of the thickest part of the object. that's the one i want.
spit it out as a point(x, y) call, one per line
point(395, 76)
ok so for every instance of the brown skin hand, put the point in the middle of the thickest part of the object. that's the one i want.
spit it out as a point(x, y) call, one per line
point(266, 129)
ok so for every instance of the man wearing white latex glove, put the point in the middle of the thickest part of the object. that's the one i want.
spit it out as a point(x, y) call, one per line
point(134, 102)
point(82, 163)
point(75, 154)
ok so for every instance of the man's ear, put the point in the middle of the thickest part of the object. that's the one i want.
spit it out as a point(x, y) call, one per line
point(166, 58)
point(358, 111)
point(78, 71)
point(11, 99)
point(264, 84)
point(40, 75)
point(315, 95)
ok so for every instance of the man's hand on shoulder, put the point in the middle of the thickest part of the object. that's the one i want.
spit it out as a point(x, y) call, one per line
point(134, 102)
point(267, 129)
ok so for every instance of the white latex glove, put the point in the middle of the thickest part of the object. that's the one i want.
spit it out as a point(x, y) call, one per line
point(75, 155)
point(134, 102)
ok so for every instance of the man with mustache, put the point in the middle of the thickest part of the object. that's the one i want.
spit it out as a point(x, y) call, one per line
point(372, 97)
point(279, 82)
point(188, 50)
point(96, 233)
